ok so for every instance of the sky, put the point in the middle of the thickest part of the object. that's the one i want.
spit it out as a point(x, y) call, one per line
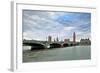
point(38, 25)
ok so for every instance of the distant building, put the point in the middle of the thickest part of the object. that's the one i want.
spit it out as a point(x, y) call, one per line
point(85, 42)
point(66, 40)
point(49, 38)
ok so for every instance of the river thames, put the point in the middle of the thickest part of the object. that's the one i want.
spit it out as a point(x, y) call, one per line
point(57, 54)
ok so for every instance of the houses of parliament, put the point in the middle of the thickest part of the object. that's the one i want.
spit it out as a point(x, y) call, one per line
point(81, 42)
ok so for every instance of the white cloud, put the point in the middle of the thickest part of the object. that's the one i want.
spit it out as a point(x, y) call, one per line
point(38, 25)
point(68, 28)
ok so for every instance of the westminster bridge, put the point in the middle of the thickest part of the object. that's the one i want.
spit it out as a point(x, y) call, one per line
point(46, 44)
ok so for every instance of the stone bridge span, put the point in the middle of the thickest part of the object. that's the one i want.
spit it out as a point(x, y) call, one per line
point(45, 44)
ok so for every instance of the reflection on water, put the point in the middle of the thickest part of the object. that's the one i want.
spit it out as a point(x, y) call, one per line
point(57, 54)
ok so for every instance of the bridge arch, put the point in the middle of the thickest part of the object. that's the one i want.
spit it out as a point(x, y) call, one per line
point(65, 45)
point(35, 46)
point(71, 44)
point(55, 45)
